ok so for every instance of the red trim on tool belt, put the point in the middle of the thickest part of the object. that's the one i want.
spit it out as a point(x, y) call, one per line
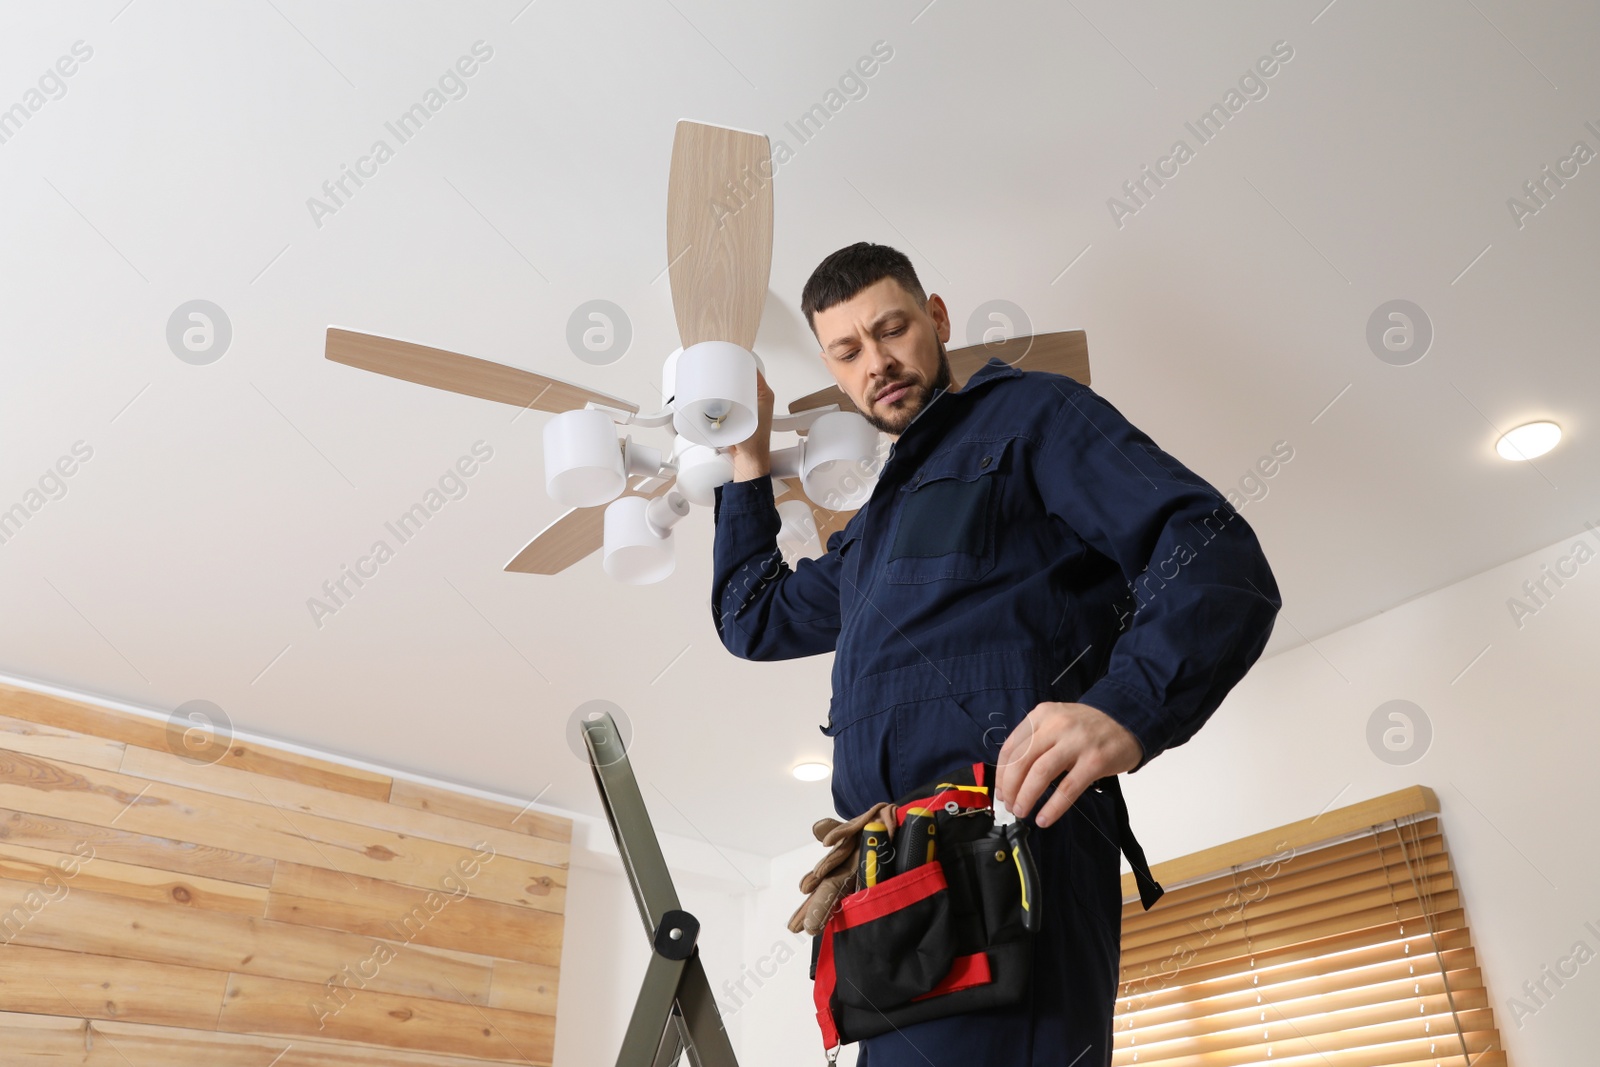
point(865, 905)
point(962, 798)
point(822, 990)
point(965, 972)
point(891, 895)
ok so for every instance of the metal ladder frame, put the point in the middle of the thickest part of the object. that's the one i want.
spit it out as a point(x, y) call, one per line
point(675, 1013)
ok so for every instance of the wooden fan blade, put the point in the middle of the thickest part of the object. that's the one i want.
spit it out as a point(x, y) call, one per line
point(822, 398)
point(573, 536)
point(828, 522)
point(1060, 353)
point(719, 232)
point(468, 375)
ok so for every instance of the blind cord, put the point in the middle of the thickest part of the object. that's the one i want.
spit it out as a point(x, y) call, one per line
point(1383, 865)
point(1426, 901)
point(1244, 919)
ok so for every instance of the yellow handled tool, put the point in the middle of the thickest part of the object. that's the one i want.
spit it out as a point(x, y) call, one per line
point(877, 855)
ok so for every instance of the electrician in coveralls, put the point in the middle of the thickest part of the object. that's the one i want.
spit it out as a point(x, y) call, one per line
point(1032, 583)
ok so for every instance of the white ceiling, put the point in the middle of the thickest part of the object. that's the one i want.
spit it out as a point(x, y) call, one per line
point(1223, 317)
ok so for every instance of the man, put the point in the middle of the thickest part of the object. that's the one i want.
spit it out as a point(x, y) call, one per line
point(1033, 583)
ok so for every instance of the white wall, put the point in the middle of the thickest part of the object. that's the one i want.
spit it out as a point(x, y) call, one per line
point(779, 1020)
point(1513, 757)
point(604, 948)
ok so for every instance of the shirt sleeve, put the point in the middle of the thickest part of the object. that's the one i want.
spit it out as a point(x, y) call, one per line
point(1202, 599)
point(764, 609)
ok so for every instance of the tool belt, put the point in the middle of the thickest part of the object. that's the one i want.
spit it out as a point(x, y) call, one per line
point(945, 920)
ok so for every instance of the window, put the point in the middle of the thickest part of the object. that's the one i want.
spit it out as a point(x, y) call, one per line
point(1338, 941)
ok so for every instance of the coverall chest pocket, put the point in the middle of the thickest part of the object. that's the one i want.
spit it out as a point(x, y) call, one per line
point(849, 553)
point(947, 527)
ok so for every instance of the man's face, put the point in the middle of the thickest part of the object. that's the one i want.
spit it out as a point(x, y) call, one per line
point(880, 339)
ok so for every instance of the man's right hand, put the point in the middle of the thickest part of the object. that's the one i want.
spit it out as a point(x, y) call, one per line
point(752, 458)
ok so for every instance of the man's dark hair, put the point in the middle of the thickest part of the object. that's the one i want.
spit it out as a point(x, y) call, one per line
point(848, 271)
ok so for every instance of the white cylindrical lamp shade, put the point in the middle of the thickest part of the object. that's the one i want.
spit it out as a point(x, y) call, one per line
point(836, 466)
point(700, 470)
point(798, 526)
point(634, 553)
point(583, 463)
point(714, 394)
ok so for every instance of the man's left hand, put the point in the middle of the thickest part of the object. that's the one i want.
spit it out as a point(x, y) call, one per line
point(1055, 737)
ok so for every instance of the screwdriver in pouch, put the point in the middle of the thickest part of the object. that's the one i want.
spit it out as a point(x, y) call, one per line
point(876, 855)
point(916, 839)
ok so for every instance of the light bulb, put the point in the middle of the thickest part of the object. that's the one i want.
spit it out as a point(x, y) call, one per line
point(1528, 441)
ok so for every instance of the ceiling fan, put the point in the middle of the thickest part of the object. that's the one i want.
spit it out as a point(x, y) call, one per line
point(719, 262)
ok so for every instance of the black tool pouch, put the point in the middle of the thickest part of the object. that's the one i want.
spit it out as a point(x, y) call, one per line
point(951, 934)
point(948, 935)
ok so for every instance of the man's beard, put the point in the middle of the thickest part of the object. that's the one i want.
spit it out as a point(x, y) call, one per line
point(893, 419)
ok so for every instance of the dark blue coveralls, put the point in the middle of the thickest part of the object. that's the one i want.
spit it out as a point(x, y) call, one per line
point(1024, 543)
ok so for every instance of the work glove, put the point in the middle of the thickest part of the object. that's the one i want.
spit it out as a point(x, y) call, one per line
point(835, 874)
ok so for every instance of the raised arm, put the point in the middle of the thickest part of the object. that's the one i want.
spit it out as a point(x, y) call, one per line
point(764, 609)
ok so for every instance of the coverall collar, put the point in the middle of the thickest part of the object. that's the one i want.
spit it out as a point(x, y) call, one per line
point(995, 369)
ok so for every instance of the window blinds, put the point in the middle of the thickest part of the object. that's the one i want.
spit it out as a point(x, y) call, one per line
point(1347, 954)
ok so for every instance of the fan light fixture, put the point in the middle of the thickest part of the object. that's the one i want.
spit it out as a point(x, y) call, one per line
point(714, 394)
point(583, 465)
point(638, 539)
point(586, 466)
point(626, 497)
point(836, 461)
point(811, 772)
point(798, 532)
point(1528, 441)
point(700, 470)
point(835, 457)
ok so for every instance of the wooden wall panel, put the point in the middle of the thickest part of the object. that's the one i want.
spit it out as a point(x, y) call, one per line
point(20, 863)
point(162, 853)
point(19, 735)
point(295, 1009)
point(527, 987)
point(104, 925)
point(142, 732)
point(98, 1043)
point(154, 910)
point(296, 799)
point(477, 810)
point(50, 787)
point(51, 982)
point(316, 897)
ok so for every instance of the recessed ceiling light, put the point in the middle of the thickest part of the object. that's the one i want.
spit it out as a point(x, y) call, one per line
point(812, 772)
point(1529, 440)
